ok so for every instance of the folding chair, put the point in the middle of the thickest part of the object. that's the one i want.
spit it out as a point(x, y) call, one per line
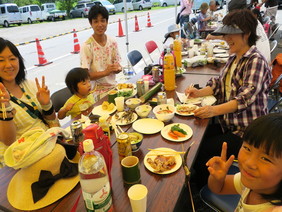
point(135, 57)
point(151, 46)
point(274, 97)
point(60, 97)
point(273, 45)
point(220, 203)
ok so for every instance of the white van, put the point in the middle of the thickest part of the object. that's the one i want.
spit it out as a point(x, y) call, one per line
point(31, 13)
point(120, 7)
point(9, 14)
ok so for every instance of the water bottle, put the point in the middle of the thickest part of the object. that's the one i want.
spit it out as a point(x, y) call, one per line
point(94, 180)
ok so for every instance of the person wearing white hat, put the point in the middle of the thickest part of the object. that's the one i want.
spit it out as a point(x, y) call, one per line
point(172, 31)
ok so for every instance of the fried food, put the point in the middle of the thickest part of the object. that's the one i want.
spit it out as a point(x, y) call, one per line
point(124, 85)
point(162, 163)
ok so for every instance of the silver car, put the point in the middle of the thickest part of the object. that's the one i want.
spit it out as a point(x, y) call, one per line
point(141, 4)
point(108, 5)
point(81, 9)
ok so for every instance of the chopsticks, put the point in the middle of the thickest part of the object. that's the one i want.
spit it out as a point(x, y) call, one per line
point(3, 107)
point(191, 86)
point(164, 152)
point(118, 130)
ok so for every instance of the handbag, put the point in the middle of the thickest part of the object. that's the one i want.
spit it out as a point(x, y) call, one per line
point(178, 15)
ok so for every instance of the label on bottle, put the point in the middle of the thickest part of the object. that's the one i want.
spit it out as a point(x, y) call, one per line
point(100, 201)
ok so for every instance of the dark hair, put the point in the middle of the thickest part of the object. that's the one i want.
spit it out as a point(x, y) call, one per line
point(6, 43)
point(95, 11)
point(247, 23)
point(266, 132)
point(256, 12)
point(75, 76)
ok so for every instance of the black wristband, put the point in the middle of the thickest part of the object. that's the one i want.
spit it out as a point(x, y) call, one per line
point(6, 119)
point(48, 112)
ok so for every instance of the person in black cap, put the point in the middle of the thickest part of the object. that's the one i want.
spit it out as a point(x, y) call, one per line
point(241, 90)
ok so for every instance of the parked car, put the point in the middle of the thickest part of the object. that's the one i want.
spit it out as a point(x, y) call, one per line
point(10, 14)
point(50, 12)
point(120, 7)
point(30, 13)
point(165, 3)
point(109, 6)
point(141, 4)
point(197, 4)
point(81, 9)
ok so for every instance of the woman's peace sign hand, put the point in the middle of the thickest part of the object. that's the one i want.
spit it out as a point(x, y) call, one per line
point(43, 94)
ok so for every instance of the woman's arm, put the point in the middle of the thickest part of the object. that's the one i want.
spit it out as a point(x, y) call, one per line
point(7, 125)
point(211, 111)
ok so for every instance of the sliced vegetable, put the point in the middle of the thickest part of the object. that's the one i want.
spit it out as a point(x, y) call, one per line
point(172, 135)
point(177, 128)
point(179, 134)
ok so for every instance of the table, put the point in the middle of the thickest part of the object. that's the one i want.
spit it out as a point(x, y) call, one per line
point(209, 69)
point(164, 190)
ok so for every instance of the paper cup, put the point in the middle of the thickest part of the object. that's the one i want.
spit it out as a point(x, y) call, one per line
point(191, 43)
point(138, 197)
point(130, 170)
point(119, 103)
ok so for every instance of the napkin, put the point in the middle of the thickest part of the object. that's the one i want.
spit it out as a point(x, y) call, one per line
point(204, 101)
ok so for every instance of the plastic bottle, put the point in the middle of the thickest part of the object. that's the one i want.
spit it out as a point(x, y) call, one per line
point(177, 46)
point(169, 71)
point(94, 180)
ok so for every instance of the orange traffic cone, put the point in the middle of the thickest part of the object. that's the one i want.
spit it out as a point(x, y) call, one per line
point(120, 32)
point(76, 47)
point(41, 57)
point(149, 24)
point(136, 25)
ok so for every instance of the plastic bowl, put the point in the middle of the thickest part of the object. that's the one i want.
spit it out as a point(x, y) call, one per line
point(143, 110)
point(135, 140)
point(164, 116)
point(133, 102)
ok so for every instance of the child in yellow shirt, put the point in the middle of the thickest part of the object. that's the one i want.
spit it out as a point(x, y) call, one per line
point(82, 100)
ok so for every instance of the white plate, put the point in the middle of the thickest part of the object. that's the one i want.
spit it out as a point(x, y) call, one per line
point(99, 111)
point(123, 122)
point(221, 55)
point(134, 92)
point(217, 51)
point(184, 53)
point(148, 126)
point(208, 100)
point(185, 114)
point(178, 161)
point(185, 127)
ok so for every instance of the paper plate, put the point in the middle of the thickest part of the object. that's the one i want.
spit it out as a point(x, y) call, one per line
point(178, 160)
point(185, 113)
point(185, 127)
point(99, 111)
point(148, 126)
point(221, 55)
point(217, 51)
point(122, 121)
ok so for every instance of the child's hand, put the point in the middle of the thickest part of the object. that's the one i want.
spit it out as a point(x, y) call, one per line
point(69, 106)
point(218, 166)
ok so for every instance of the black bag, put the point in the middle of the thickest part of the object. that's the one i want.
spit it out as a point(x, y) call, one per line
point(178, 15)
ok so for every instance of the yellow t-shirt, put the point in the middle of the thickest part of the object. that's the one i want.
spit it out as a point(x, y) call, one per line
point(80, 104)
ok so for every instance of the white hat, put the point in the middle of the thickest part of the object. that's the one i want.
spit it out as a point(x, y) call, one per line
point(172, 28)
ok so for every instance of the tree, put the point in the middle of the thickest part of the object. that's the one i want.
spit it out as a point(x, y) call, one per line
point(66, 5)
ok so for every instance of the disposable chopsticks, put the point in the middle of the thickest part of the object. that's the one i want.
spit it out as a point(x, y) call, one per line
point(3, 107)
